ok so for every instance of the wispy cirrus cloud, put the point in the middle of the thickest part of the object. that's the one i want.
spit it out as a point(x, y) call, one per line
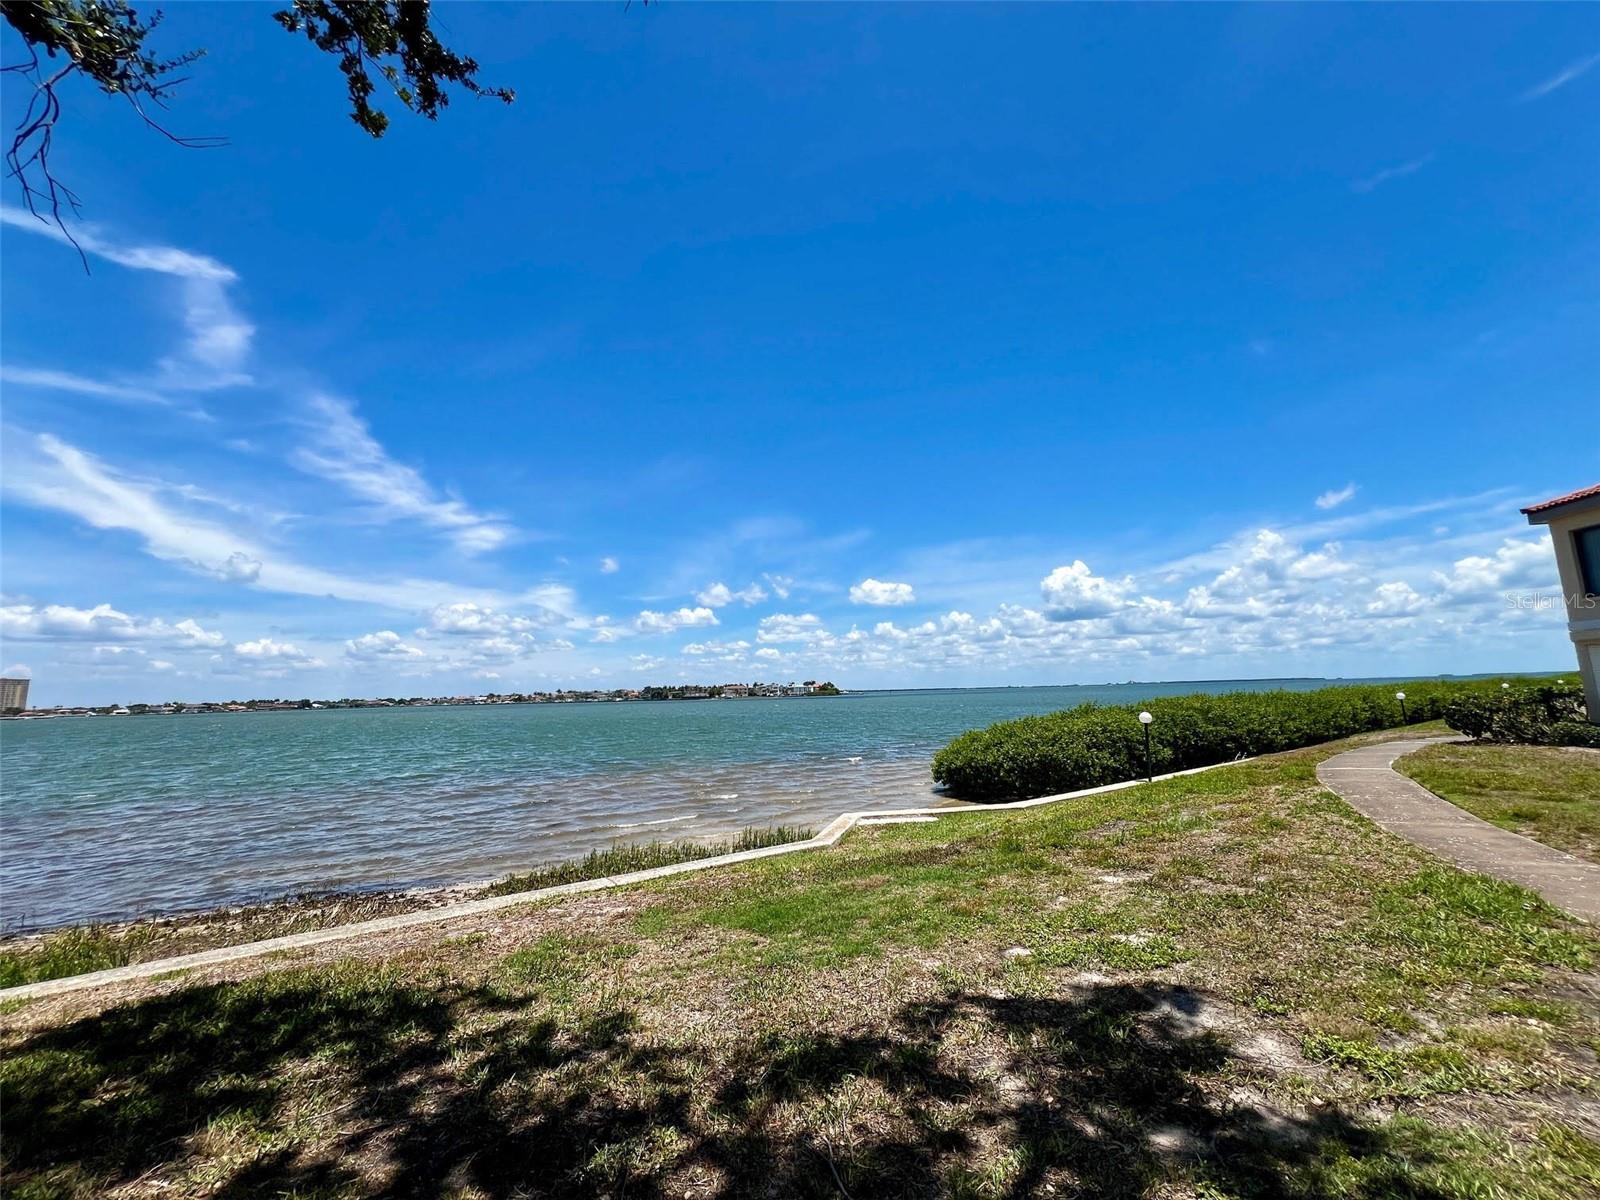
point(46, 472)
point(218, 346)
point(343, 451)
point(167, 260)
point(216, 353)
point(66, 381)
point(1336, 496)
point(1400, 171)
point(219, 338)
point(1560, 79)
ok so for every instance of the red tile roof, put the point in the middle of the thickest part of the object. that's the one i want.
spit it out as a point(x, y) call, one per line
point(1580, 494)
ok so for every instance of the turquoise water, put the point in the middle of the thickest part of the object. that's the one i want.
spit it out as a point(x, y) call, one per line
point(112, 817)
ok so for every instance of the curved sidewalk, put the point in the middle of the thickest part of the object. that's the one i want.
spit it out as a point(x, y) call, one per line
point(1366, 779)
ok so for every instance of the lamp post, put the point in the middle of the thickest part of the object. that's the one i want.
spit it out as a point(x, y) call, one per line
point(1401, 696)
point(1145, 719)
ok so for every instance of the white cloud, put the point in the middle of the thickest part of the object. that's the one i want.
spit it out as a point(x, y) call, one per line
point(385, 643)
point(1560, 79)
point(1397, 172)
point(64, 623)
point(1396, 599)
point(118, 654)
point(1518, 563)
point(609, 565)
point(781, 585)
point(474, 620)
point(605, 632)
point(787, 627)
point(485, 634)
point(1336, 497)
point(1319, 564)
point(720, 594)
point(343, 450)
point(683, 618)
point(1262, 562)
point(218, 344)
point(276, 654)
point(728, 652)
point(882, 594)
point(239, 567)
point(17, 671)
point(1074, 593)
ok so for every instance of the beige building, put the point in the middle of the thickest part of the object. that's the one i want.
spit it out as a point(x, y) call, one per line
point(1574, 522)
point(13, 694)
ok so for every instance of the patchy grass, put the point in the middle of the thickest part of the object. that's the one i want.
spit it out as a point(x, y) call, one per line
point(1551, 795)
point(1227, 985)
point(559, 965)
point(71, 952)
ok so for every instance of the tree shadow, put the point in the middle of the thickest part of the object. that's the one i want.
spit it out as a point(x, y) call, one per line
point(1101, 1093)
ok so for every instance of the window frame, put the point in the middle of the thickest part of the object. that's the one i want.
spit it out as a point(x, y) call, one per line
point(1587, 556)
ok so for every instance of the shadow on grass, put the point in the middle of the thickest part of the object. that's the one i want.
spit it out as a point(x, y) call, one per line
point(353, 1083)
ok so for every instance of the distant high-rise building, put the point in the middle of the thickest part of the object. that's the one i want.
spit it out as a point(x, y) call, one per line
point(13, 693)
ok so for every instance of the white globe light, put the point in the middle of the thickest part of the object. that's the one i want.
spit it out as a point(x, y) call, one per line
point(1145, 718)
point(1399, 695)
point(1505, 685)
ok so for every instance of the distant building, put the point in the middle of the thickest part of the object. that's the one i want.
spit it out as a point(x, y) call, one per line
point(14, 693)
point(736, 691)
point(1574, 521)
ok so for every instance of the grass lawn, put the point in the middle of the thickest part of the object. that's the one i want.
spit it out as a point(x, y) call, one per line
point(1225, 985)
point(1551, 795)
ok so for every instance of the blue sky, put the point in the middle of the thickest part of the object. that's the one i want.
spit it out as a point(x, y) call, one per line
point(899, 346)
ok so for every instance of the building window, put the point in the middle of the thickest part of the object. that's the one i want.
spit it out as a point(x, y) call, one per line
point(1587, 542)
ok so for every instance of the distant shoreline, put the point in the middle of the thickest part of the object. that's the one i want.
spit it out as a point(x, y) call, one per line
point(619, 696)
point(809, 690)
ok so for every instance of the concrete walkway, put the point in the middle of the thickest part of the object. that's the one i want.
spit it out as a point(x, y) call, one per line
point(1367, 781)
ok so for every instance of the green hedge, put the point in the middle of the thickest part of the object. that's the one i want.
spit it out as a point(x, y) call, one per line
point(1097, 744)
point(1542, 715)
